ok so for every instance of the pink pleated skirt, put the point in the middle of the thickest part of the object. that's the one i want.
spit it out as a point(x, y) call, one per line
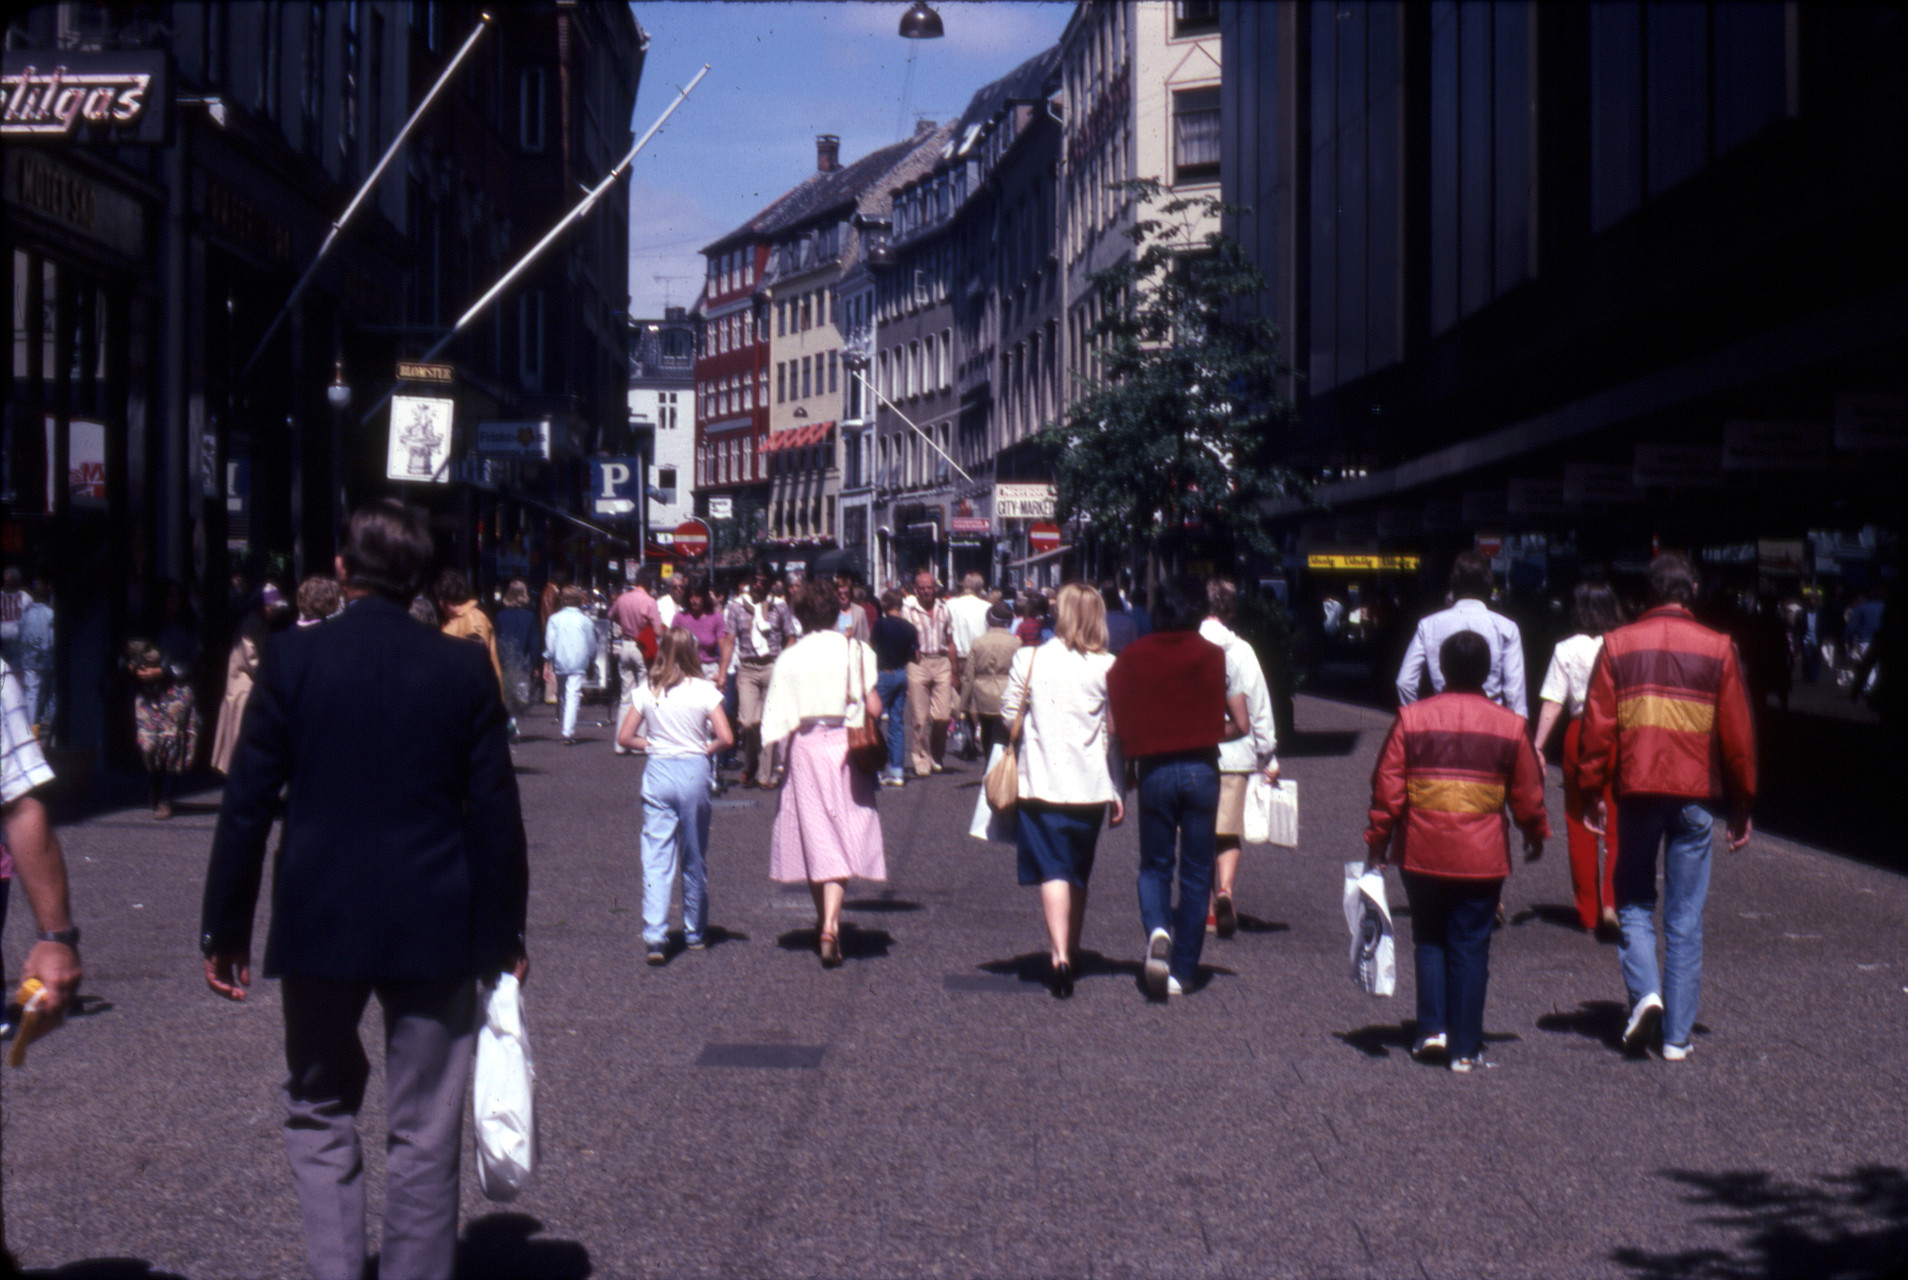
point(826, 827)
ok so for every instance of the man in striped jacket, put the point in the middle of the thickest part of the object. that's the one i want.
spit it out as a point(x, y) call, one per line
point(1668, 720)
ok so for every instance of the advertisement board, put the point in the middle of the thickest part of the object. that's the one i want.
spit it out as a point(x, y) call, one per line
point(1023, 501)
point(420, 445)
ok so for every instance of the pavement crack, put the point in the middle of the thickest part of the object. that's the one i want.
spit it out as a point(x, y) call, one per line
point(1369, 1255)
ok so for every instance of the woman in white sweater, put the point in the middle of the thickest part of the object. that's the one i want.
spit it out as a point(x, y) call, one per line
point(826, 828)
point(1070, 768)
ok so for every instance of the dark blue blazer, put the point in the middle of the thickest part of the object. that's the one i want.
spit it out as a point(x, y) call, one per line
point(403, 851)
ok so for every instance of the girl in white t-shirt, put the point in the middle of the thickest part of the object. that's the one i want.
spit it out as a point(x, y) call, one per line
point(676, 717)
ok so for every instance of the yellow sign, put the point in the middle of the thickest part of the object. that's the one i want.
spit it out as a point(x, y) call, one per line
point(1368, 564)
point(411, 371)
point(669, 571)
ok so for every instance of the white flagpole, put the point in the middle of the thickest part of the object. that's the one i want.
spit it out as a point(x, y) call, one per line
point(910, 421)
point(364, 191)
point(523, 264)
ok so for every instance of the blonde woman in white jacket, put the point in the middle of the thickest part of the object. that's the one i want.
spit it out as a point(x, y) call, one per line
point(1070, 768)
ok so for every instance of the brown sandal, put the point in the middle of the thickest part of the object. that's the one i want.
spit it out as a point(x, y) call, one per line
point(829, 946)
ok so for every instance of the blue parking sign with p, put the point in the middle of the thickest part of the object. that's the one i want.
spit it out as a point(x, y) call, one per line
point(616, 485)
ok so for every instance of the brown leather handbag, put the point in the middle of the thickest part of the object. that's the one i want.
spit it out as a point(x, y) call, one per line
point(1002, 784)
point(867, 747)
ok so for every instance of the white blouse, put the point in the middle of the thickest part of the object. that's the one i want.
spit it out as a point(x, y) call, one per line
point(1067, 751)
point(813, 683)
point(1568, 680)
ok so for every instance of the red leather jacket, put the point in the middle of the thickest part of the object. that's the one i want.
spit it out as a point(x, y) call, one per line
point(1446, 771)
point(1667, 714)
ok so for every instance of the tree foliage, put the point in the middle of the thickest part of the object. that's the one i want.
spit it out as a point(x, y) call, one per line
point(1176, 430)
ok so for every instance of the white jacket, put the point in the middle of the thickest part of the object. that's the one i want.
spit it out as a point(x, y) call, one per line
point(1244, 675)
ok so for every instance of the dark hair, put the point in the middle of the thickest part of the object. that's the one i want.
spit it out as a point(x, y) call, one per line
point(891, 600)
point(452, 587)
point(1466, 659)
point(1222, 599)
point(816, 605)
point(1596, 608)
point(1110, 595)
point(1672, 579)
point(1471, 576)
point(1180, 605)
point(387, 546)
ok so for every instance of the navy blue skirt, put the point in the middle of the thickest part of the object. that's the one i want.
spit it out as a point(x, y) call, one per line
point(1056, 841)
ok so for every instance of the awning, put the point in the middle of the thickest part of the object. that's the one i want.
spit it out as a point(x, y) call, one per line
point(1043, 557)
point(798, 437)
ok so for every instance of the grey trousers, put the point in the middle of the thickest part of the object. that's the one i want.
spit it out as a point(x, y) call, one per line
point(430, 1036)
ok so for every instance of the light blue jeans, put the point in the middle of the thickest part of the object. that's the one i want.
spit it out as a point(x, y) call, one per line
point(675, 833)
point(892, 688)
point(572, 697)
point(1686, 831)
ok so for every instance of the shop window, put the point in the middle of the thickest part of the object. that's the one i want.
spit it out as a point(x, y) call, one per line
point(1196, 134)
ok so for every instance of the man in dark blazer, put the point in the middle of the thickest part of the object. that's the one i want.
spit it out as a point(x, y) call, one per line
point(402, 874)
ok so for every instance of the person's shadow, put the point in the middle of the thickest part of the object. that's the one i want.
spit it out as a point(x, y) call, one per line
point(857, 943)
point(499, 1246)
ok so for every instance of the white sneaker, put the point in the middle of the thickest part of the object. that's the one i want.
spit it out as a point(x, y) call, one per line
point(1173, 988)
point(1464, 1066)
point(1644, 1020)
point(1676, 1052)
point(1431, 1047)
point(1159, 951)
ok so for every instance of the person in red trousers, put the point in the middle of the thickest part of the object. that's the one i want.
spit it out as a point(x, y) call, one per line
point(1566, 685)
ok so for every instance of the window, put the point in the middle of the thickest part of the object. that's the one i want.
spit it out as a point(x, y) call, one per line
point(883, 384)
point(702, 464)
point(530, 109)
point(807, 390)
point(833, 384)
point(530, 339)
point(1194, 17)
point(946, 370)
point(781, 382)
point(265, 96)
point(781, 319)
point(748, 457)
point(808, 311)
point(666, 478)
point(1196, 134)
point(761, 396)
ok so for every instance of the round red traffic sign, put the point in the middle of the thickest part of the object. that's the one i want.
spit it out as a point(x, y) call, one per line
point(692, 537)
point(1044, 536)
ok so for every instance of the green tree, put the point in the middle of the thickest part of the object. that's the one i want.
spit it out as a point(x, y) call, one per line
point(1175, 435)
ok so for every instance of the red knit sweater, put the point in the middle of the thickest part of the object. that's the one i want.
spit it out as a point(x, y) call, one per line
point(1169, 694)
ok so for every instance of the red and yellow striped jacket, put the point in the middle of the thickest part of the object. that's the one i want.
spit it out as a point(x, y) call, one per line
point(1667, 714)
point(1443, 778)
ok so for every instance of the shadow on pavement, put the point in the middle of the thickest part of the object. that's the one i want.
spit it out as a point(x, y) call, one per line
point(894, 905)
point(856, 943)
point(1380, 1038)
point(1599, 1020)
point(1562, 915)
point(1252, 924)
point(498, 1246)
point(1311, 744)
point(1852, 1224)
point(102, 1269)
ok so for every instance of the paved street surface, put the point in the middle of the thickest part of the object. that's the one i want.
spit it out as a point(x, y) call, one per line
point(928, 1110)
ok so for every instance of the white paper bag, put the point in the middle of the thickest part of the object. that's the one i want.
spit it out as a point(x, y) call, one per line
point(503, 1095)
point(1002, 827)
point(1374, 960)
point(1271, 812)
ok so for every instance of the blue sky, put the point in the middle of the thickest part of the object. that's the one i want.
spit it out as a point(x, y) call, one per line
point(780, 74)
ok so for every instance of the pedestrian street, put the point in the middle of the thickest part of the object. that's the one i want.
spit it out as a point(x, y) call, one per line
point(928, 1110)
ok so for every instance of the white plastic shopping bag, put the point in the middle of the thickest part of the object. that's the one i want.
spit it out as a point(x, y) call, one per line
point(1374, 958)
point(1271, 812)
point(503, 1096)
point(1002, 826)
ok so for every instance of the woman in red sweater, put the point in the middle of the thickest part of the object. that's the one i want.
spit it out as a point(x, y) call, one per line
point(1446, 771)
point(1168, 691)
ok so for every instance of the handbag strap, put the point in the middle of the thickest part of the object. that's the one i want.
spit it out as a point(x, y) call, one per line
point(1026, 699)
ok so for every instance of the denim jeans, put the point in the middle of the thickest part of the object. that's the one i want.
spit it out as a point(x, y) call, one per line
point(1686, 829)
point(675, 833)
point(572, 698)
point(1178, 804)
point(892, 688)
point(1451, 943)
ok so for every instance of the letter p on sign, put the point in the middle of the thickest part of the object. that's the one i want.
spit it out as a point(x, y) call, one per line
point(615, 476)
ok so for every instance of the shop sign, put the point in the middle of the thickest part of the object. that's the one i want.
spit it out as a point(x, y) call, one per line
point(246, 223)
point(96, 211)
point(64, 95)
point(1678, 466)
point(970, 524)
point(1587, 482)
point(1775, 446)
point(420, 445)
point(1338, 562)
point(1024, 501)
point(85, 462)
point(511, 439)
point(1871, 422)
point(415, 371)
point(721, 508)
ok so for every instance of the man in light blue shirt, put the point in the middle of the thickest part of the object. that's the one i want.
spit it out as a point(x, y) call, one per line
point(570, 640)
point(1470, 588)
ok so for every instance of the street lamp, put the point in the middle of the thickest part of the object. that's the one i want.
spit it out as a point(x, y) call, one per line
point(920, 22)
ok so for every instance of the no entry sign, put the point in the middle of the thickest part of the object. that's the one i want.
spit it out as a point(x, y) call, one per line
point(1044, 536)
point(692, 537)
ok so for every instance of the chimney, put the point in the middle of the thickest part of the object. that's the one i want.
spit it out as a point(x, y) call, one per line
point(827, 153)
